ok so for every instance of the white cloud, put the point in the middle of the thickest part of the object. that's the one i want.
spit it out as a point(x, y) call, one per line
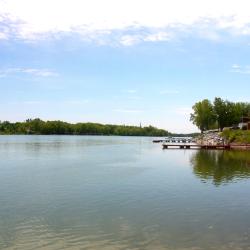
point(156, 37)
point(39, 72)
point(3, 36)
point(47, 102)
point(240, 69)
point(129, 40)
point(29, 71)
point(235, 66)
point(150, 20)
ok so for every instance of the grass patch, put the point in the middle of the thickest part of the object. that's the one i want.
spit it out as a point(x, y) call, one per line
point(237, 136)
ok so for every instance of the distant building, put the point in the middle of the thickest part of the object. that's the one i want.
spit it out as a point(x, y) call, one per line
point(245, 123)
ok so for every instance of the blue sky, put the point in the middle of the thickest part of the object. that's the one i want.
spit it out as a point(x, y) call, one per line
point(136, 61)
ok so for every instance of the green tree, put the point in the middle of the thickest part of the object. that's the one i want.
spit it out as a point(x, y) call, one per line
point(220, 110)
point(37, 126)
point(203, 115)
point(229, 113)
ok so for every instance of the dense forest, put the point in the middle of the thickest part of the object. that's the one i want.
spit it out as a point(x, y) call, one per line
point(37, 126)
point(218, 114)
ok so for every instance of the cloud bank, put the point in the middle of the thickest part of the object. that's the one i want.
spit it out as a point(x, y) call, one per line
point(128, 22)
point(28, 71)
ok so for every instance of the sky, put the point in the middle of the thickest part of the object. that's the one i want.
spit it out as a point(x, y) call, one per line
point(121, 61)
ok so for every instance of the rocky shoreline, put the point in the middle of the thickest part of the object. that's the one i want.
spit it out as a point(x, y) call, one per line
point(212, 138)
point(215, 138)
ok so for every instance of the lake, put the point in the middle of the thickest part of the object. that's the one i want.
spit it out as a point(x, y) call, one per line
point(108, 193)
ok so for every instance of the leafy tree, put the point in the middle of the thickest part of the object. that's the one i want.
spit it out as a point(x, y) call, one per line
point(220, 110)
point(37, 126)
point(221, 113)
point(229, 113)
point(203, 116)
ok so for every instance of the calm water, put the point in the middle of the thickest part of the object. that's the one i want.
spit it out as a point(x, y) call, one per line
point(108, 193)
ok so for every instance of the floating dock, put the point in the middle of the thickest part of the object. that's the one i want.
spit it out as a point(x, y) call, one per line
point(158, 141)
point(190, 143)
point(174, 140)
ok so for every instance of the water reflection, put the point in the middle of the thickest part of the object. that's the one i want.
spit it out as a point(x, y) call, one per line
point(110, 193)
point(221, 167)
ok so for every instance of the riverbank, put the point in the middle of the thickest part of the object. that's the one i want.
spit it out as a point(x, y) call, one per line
point(40, 127)
point(237, 139)
point(212, 138)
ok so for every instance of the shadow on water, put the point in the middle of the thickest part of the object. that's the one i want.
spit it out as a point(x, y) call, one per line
point(221, 167)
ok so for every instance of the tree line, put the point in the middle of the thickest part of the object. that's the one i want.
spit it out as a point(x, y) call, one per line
point(218, 114)
point(38, 126)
